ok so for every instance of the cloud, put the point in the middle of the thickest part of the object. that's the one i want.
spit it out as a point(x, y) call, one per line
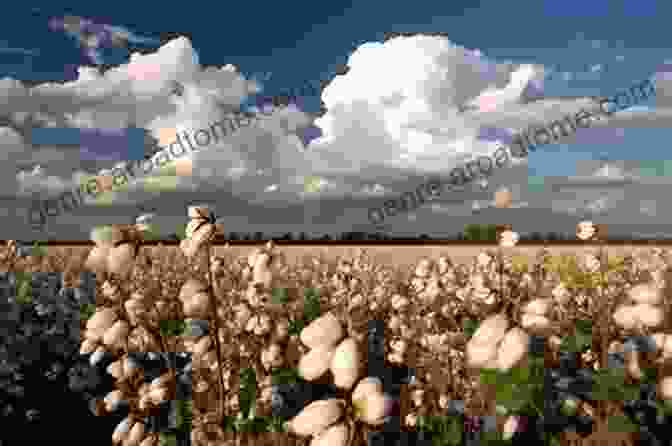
point(390, 121)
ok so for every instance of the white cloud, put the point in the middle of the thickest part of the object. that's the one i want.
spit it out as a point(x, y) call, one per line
point(391, 119)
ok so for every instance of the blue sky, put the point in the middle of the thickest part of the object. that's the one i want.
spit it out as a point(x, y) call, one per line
point(594, 48)
point(302, 42)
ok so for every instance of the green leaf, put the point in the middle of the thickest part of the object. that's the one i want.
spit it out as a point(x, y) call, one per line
point(86, 311)
point(184, 415)
point(621, 423)
point(490, 377)
point(248, 390)
point(172, 327)
point(664, 407)
point(24, 293)
point(280, 296)
point(285, 376)
point(38, 250)
point(583, 340)
point(311, 309)
point(167, 439)
point(469, 326)
point(181, 232)
point(229, 423)
point(650, 375)
point(520, 375)
point(295, 327)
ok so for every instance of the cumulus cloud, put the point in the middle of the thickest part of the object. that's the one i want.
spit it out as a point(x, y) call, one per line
point(400, 113)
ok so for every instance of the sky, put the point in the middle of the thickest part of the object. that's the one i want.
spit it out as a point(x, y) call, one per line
point(380, 127)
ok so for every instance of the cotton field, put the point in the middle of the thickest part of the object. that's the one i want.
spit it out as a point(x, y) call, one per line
point(335, 351)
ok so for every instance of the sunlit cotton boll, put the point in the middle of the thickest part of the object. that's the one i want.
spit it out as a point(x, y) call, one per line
point(585, 230)
point(509, 239)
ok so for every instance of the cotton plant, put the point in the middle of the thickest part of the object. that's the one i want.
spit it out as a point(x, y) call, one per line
point(116, 248)
point(331, 350)
point(198, 297)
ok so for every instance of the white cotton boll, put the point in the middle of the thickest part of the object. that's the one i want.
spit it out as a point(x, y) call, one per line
point(366, 387)
point(625, 317)
point(315, 417)
point(491, 330)
point(535, 323)
point(97, 356)
point(345, 364)
point(513, 349)
point(479, 355)
point(315, 363)
point(121, 431)
point(645, 294)
point(649, 315)
point(336, 435)
point(135, 435)
point(539, 307)
point(325, 330)
point(665, 388)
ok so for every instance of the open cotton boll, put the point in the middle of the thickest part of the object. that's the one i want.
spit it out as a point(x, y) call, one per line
point(107, 235)
point(375, 408)
point(481, 355)
point(665, 388)
point(539, 307)
point(367, 386)
point(645, 293)
point(121, 431)
point(631, 316)
point(336, 435)
point(135, 435)
point(102, 319)
point(513, 349)
point(120, 259)
point(651, 316)
point(97, 258)
point(325, 330)
point(535, 323)
point(346, 364)
point(316, 417)
point(491, 330)
point(115, 334)
point(315, 363)
point(97, 356)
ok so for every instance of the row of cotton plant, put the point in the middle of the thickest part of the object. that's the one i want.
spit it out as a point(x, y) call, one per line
point(262, 313)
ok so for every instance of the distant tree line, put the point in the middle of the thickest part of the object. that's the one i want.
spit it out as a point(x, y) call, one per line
point(486, 233)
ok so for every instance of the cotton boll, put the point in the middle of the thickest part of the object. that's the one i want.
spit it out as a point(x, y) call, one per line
point(491, 330)
point(121, 431)
point(102, 319)
point(625, 317)
point(115, 334)
point(535, 323)
point(513, 349)
point(135, 435)
point(376, 408)
point(336, 435)
point(315, 363)
point(367, 386)
point(651, 316)
point(665, 388)
point(120, 259)
point(539, 307)
point(325, 330)
point(346, 364)
point(645, 294)
point(97, 356)
point(478, 355)
point(315, 417)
